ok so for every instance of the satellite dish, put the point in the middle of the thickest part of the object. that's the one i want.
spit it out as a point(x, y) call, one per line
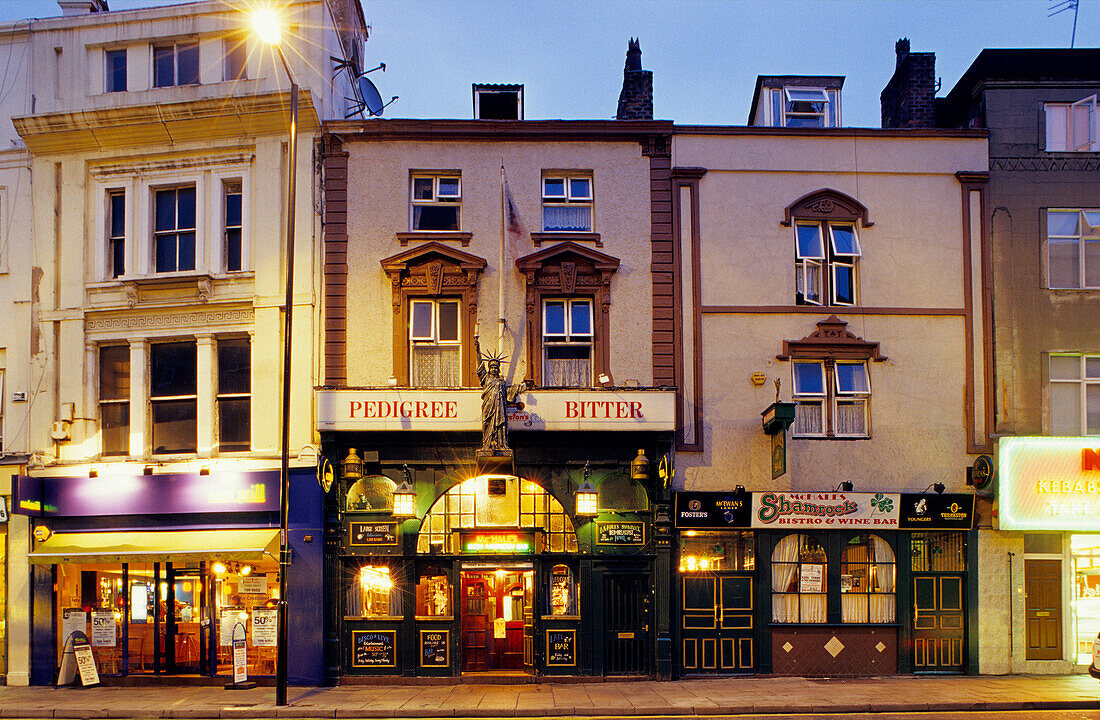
point(372, 100)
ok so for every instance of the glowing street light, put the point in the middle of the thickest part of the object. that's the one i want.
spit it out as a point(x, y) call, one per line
point(267, 23)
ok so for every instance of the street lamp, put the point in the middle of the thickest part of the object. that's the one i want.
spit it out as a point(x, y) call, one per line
point(268, 25)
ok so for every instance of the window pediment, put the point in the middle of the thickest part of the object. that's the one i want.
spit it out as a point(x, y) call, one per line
point(432, 267)
point(832, 339)
point(826, 204)
point(568, 268)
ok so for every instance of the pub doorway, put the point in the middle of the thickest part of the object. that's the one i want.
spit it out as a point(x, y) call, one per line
point(497, 603)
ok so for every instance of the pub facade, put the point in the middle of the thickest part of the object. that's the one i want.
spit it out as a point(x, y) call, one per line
point(831, 407)
point(497, 427)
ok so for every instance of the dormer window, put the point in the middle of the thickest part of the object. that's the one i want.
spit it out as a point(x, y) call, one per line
point(804, 107)
point(498, 102)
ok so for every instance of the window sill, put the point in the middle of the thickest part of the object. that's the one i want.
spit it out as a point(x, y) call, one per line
point(538, 238)
point(434, 618)
point(376, 618)
point(833, 625)
point(830, 437)
point(434, 236)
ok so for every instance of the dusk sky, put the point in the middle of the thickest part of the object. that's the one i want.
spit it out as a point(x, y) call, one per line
point(704, 54)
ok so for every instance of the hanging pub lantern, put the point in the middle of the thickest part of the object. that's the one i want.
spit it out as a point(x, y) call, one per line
point(353, 465)
point(404, 501)
point(639, 467)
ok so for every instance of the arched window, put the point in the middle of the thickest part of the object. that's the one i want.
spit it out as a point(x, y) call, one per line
point(827, 250)
point(867, 581)
point(515, 503)
point(799, 572)
point(373, 493)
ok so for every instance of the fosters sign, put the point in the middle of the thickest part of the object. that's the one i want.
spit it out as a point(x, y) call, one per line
point(1049, 483)
point(460, 410)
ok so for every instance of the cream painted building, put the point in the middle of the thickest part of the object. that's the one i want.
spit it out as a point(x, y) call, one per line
point(144, 199)
point(838, 271)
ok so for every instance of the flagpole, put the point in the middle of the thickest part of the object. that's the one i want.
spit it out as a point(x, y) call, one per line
point(500, 271)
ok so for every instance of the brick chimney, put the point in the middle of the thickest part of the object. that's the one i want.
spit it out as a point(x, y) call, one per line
point(636, 98)
point(909, 99)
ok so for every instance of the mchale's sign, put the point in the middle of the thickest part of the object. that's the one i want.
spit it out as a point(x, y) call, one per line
point(460, 410)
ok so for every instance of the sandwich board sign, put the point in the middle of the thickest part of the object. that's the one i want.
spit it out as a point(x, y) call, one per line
point(77, 660)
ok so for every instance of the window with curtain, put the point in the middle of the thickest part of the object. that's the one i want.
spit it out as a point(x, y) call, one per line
point(799, 572)
point(434, 344)
point(567, 343)
point(867, 580)
point(567, 204)
point(842, 386)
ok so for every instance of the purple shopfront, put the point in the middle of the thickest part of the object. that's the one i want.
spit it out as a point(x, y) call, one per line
point(160, 569)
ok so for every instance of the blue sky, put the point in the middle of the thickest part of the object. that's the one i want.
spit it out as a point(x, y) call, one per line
point(704, 54)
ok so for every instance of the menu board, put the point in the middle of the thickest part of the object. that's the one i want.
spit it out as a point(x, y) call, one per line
point(373, 648)
point(372, 533)
point(103, 628)
point(561, 648)
point(434, 646)
point(621, 533)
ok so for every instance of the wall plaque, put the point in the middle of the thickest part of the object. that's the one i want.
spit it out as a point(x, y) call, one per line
point(621, 533)
point(373, 648)
point(372, 533)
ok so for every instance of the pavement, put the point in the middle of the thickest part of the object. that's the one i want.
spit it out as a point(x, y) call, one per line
point(704, 697)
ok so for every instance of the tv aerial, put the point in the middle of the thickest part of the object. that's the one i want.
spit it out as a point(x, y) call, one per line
point(367, 98)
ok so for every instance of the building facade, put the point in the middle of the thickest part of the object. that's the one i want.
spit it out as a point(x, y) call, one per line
point(829, 405)
point(482, 524)
point(156, 144)
point(1040, 607)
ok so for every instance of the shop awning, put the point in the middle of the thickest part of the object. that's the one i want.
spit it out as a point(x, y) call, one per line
point(151, 547)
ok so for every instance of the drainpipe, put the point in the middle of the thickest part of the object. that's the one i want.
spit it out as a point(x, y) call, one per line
point(1010, 594)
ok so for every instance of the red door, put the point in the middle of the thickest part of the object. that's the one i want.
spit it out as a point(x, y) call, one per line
point(1043, 585)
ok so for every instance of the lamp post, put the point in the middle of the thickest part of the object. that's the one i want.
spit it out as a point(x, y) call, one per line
point(268, 27)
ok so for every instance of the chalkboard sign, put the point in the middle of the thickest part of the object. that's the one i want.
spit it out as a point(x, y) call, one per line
point(372, 533)
point(561, 648)
point(621, 533)
point(373, 648)
point(434, 645)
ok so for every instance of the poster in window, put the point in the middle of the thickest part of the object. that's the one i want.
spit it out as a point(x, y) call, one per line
point(812, 578)
point(253, 585)
point(73, 620)
point(264, 627)
point(103, 628)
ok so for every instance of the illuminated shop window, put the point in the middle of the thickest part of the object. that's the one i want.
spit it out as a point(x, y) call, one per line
point(374, 591)
point(563, 591)
point(433, 594)
point(481, 503)
point(716, 551)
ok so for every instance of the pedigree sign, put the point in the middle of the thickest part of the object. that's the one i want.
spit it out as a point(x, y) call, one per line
point(460, 410)
point(1048, 483)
